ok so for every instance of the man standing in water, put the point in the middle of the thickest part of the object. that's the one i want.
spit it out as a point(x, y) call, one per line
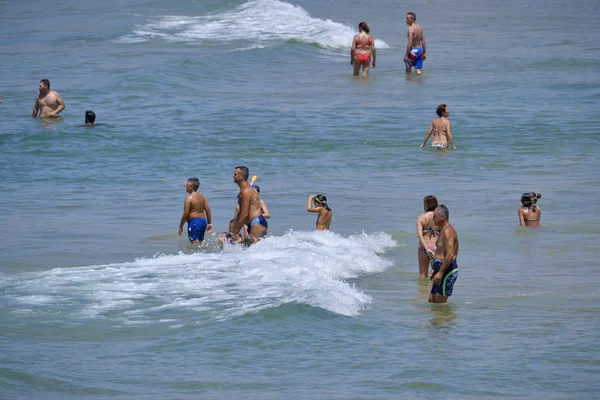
point(250, 211)
point(415, 48)
point(48, 102)
point(444, 268)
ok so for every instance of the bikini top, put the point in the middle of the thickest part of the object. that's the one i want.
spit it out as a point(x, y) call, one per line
point(362, 45)
point(432, 231)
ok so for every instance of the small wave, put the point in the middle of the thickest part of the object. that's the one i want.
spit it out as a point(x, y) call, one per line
point(310, 268)
point(255, 24)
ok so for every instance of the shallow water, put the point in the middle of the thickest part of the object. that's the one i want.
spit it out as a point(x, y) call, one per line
point(101, 298)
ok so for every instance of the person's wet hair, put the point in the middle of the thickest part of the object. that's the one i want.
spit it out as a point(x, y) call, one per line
point(90, 117)
point(244, 171)
point(528, 200)
point(443, 211)
point(194, 183)
point(364, 27)
point(412, 15)
point(46, 82)
point(257, 188)
point(441, 109)
point(430, 202)
point(322, 200)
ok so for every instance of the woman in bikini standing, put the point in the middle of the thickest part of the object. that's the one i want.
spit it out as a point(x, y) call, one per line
point(363, 45)
point(428, 235)
point(441, 128)
point(529, 212)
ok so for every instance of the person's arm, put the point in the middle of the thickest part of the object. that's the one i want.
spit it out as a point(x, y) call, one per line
point(244, 212)
point(373, 51)
point(185, 217)
point(449, 131)
point(521, 216)
point(264, 210)
point(411, 34)
point(449, 254)
point(428, 134)
point(61, 105)
point(352, 49)
point(36, 108)
point(208, 216)
point(423, 56)
point(309, 206)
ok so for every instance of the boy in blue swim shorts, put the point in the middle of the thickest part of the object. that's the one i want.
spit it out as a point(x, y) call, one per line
point(196, 212)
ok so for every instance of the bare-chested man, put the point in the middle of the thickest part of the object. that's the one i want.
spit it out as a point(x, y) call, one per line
point(415, 49)
point(250, 212)
point(48, 102)
point(196, 212)
point(444, 268)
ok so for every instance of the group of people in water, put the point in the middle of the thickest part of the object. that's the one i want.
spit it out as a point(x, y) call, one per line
point(249, 223)
point(438, 241)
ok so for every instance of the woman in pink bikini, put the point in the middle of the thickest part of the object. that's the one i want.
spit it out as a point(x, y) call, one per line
point(363, 45)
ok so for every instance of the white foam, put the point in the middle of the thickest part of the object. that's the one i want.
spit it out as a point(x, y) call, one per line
point(257, 23)
point(311, 268)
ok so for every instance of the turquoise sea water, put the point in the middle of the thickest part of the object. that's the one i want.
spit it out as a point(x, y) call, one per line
point(100, 298)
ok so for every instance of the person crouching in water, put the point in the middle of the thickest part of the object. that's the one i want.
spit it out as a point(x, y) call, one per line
point(529, 212)
point(363, 45)
point(318, 203)
point(196, 212)
point(231, 237)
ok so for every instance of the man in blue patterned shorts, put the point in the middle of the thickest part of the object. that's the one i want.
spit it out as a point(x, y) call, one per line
point(444, 268)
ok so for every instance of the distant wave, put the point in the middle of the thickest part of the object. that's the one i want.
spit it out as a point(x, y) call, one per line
point(257, 23)
point(309, 268)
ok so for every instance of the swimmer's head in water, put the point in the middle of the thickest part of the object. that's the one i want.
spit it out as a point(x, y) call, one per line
point(256, 187)
point(194, 183)
point(90, 117)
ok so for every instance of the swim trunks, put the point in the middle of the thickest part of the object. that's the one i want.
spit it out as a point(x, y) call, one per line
point(196, 229)
point(447, 284)
point(258, 220)
point(415, 57)
point(363, 57)
point(438, 145)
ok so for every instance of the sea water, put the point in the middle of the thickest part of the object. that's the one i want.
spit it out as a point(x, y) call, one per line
point(100, 298)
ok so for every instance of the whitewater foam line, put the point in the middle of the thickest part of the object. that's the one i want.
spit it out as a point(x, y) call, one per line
point(257, 23)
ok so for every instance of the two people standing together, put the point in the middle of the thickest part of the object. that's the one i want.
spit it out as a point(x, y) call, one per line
point(363, 48)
